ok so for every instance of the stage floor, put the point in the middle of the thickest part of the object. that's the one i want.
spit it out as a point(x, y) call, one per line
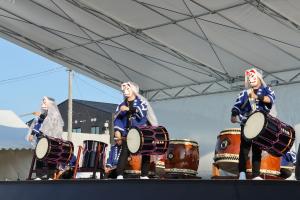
point(152, 189)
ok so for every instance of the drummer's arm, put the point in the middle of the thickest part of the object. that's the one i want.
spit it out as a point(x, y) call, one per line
point(266, 98)
point(36, 129)
point(141, 110)
point(234, 115)
point(238, 105)
point(121, 111)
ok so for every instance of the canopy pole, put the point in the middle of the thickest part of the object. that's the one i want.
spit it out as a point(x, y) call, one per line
point(70, 106)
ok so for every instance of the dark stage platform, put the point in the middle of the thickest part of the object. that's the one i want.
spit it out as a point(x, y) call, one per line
point(135, 189)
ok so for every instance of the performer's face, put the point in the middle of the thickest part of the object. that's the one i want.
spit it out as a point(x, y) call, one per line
point(118, 141)
point(44, 106)
point(127, 91)
point(253, 79)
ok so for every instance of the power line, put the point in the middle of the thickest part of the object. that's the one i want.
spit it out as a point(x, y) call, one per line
point(30, 76)
point(102, 91)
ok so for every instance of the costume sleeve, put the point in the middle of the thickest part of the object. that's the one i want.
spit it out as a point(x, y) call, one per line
point(118, 112)
point(36, 127)
point(109, 161)
point(141, 110)
point(240, 101)
point(270, 94)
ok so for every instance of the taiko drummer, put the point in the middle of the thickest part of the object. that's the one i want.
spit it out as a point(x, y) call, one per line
point(134, 111)
point(256, 96)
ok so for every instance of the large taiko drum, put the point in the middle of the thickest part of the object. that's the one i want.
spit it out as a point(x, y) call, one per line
point(227, 150)
point(182, 158)
point(227, 154)
point(54, 150)
point(287, 167)
point(133, 167)
point(148, 140)
point(90, 149)
point(157, 166)
point(269, 167)
point(269, 133)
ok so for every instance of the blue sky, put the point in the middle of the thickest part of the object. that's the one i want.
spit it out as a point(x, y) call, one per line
point(26, 77)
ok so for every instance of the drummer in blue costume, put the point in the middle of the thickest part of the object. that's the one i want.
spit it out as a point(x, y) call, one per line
point(256, 96)
point(113, 158)
point(48, 123)
point(134, 111)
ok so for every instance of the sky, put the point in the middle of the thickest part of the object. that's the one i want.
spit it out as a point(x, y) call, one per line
point(26, 77)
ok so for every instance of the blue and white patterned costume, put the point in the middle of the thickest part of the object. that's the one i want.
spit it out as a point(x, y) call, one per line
point(243, 108)
point(114, 155)
point(138, 116)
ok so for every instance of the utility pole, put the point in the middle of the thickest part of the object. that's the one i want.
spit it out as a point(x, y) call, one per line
point(70, 106)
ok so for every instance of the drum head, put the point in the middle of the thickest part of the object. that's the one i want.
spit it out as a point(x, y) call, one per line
point(41, 148)
point(254, 125)
point(133, 140)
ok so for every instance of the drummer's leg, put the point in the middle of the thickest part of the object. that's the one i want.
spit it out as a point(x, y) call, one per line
point(123, 160)
point(256, 160)
point(145, 165)
point(243, 155)
point(39, 165)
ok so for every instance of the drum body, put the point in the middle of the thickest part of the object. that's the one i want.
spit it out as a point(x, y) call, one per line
point(90, 148)
point(133, 168)
point(157, 165)
point(182, 158)
point(148, 140)
point(227, 150)
point(269, 167)
point(269, 133)
point(54, 150)
point(286, 168)
point(227, 155)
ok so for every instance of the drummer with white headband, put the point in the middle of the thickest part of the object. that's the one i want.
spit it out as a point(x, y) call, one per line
point(49, 122)
point(135, 110)
point(256, 96)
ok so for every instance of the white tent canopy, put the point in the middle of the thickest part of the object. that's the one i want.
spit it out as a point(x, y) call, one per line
point(13, 132)
point(15, 152)
point(171, 48)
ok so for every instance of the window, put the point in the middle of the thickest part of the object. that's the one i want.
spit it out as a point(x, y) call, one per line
point(76, 130)
point(95, 129)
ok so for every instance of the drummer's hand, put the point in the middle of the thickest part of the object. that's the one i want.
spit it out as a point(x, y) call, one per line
point(234, 119)
point(252, 94)
point(107, 170)
point(30, 138)
point(36, 113)
point(124, 108)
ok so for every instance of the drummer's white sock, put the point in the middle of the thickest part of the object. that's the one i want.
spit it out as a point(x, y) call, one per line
point(120, 177)
point(242, 176)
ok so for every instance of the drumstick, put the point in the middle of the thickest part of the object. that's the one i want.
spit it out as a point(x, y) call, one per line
point(30, 113)
point(154, 140)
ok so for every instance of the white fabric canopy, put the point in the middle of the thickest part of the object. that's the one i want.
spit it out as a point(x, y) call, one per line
point(171, 48)
point(12, 131)
point(15, 152)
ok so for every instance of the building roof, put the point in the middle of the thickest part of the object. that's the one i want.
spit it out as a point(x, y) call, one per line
point(107, 107)
point(13, 131)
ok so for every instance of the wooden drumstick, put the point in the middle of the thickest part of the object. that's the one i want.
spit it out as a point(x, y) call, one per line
point(35, 113)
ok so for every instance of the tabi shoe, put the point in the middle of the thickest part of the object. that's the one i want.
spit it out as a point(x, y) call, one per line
point(120, 177)
point(258, 178)
point(242, 176)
